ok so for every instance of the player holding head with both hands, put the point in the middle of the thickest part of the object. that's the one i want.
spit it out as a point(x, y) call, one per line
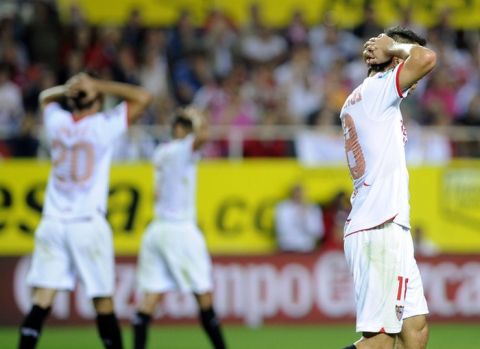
point(173, 253)
point(391, 306)
point(73, 238)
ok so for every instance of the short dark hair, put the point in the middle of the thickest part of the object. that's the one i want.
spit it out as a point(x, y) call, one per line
point(182, 121)
point(399, 34)
point(405, 35)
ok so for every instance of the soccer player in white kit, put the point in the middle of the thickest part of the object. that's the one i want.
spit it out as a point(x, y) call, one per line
point(173, 254)
point(391, 306)
point(73, 238)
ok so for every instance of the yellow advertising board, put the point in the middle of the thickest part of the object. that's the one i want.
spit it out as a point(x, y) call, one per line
point(347, 13)
point(236, 202)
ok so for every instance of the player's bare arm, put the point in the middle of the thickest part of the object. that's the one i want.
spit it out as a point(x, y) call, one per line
point(52, 94)
point(200, 128)
point(418, 60)
point(137, 97)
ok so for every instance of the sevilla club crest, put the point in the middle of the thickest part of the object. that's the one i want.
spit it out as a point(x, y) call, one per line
point(399, 311)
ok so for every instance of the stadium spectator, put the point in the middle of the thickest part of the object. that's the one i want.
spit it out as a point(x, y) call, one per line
point(133, 30)
point(297, 30)
point(330, 44)
point(154, 67)
point(227, 101)
point(190, 74)
point(336, 87)
point(262, 88)
point(335, 214)
point(103, 52)
point(38, 78)
point(12, 50)
point(299, 225)
point(220, 41)
point(25, 143)
point(423, 246)
point(255, 20)
point(265, 46)
point(316, 148)
point(368, 27)
point(439, 98)
point(43, 34)
point(470, 118)
point(183, 38)
point(301, 85)
point(266, 143)
point(11, 107)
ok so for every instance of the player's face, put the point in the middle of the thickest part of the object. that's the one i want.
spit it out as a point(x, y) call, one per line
point(179, 131)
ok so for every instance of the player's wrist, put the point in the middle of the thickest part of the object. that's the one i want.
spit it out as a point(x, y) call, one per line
point(53, 93)
point(59, 90)
point(401, 50)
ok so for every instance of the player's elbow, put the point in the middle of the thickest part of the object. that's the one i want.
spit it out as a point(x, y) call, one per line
point(145, 98)
point(429, 60)
point(425, 60)
point(43, 98)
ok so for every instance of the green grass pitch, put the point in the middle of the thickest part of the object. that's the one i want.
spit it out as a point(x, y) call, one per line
point(457, 336)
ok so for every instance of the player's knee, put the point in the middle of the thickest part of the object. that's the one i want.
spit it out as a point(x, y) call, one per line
point(204, 300)
point(421, 336)
point(149, 302)
point(43, 297)
point(416, 337)
point(103, 305)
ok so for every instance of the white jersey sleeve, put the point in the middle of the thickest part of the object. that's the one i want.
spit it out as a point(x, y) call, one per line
point(383, 92)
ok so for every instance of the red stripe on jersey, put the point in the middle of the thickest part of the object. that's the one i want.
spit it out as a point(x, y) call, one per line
point(397, 81)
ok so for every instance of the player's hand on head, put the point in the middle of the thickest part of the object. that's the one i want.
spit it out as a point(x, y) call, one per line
point(195, 115)
point(377, 49)
point(81, 83)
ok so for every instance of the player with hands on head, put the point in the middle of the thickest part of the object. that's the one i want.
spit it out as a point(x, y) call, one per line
point(391, 306)
point(173, 254)
point(74, 238)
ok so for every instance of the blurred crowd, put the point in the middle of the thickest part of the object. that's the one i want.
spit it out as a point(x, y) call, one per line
point(242, 76)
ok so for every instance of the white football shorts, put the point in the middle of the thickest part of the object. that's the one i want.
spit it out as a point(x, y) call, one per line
point(65, 249)
point(388, 286)
point(174, 256)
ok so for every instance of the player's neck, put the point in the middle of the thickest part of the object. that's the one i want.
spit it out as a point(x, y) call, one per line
point(383, 69)
point(81, 114)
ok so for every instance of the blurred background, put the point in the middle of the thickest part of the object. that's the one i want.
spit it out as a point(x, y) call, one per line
point(272, 77)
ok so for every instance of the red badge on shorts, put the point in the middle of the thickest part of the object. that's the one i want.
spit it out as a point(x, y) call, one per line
point(399, 311)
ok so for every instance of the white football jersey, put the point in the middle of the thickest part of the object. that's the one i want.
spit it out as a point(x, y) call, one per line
point(375, 138)
point(176, 180)
point(81, 152)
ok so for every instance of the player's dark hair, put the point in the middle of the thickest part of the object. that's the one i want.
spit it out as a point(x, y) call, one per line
point(399, 34)
point(405, 35)
point(6, 68)
point(80, 101)
point(184, 122)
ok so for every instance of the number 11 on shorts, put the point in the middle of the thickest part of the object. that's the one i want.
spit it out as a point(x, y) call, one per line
point(402, 285)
